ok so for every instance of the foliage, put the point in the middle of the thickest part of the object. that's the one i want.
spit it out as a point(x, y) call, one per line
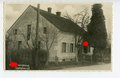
point(81, 18)
point(41, 59)
point(24, 56)
point(97, 34)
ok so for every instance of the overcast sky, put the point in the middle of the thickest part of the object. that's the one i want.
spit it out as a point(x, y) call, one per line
point(13, 11)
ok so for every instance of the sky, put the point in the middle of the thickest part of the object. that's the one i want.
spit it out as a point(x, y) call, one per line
point(13, 11)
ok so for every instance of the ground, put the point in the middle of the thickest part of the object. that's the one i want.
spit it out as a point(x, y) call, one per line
point(92, 67)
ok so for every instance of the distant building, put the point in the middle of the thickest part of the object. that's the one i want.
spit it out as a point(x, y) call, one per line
point(51, 26)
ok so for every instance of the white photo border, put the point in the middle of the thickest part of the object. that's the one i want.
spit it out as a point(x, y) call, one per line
point(60, 74)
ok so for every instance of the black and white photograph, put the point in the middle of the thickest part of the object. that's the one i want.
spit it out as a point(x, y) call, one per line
point(75, 36)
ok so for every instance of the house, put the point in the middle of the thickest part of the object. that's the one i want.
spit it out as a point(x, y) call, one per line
point(55, 33)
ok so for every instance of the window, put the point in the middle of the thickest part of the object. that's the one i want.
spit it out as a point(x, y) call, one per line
point(39, 44)
point(71, 47)
point(19, 44)
point(86, 49)
point(71, 59)
point(63, 47)
point(44, 30)
point(28, 32)
point(15, 31)
point(63, 60)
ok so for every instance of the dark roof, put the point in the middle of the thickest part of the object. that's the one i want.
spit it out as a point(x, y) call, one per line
point(61, 23)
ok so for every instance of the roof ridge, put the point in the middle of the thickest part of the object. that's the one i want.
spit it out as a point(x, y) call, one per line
point(51, 13)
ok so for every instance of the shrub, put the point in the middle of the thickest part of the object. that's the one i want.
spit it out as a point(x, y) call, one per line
point(24, 56)
point(41, 58)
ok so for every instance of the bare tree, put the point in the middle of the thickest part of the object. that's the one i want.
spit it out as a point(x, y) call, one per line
point(49, 39)
point(81, 18)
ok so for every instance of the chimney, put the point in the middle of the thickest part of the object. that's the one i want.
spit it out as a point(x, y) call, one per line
point(49, 9)
point(58, 14)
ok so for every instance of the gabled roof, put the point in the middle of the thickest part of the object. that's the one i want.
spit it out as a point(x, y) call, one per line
point(61, 23)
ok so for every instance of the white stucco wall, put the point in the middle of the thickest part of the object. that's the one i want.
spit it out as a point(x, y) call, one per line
point(67, 38)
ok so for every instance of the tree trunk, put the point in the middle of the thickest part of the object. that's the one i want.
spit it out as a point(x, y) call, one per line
point(76, 50)
point(80, 54)
point(47, 61)
point(76, 58)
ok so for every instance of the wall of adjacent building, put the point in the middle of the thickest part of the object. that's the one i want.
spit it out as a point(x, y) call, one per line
point(66, 38)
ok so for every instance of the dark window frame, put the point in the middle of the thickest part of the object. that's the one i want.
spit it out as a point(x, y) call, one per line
point(45, 30)
point(64, 47)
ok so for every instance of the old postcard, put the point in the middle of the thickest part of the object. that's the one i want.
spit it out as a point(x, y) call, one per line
point(58, 36)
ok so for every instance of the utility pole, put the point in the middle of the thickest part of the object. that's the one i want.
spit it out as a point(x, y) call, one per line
point(36, 39)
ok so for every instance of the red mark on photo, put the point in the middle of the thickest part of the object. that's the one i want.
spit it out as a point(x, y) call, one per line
point(85, 43)
point(13, 64)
